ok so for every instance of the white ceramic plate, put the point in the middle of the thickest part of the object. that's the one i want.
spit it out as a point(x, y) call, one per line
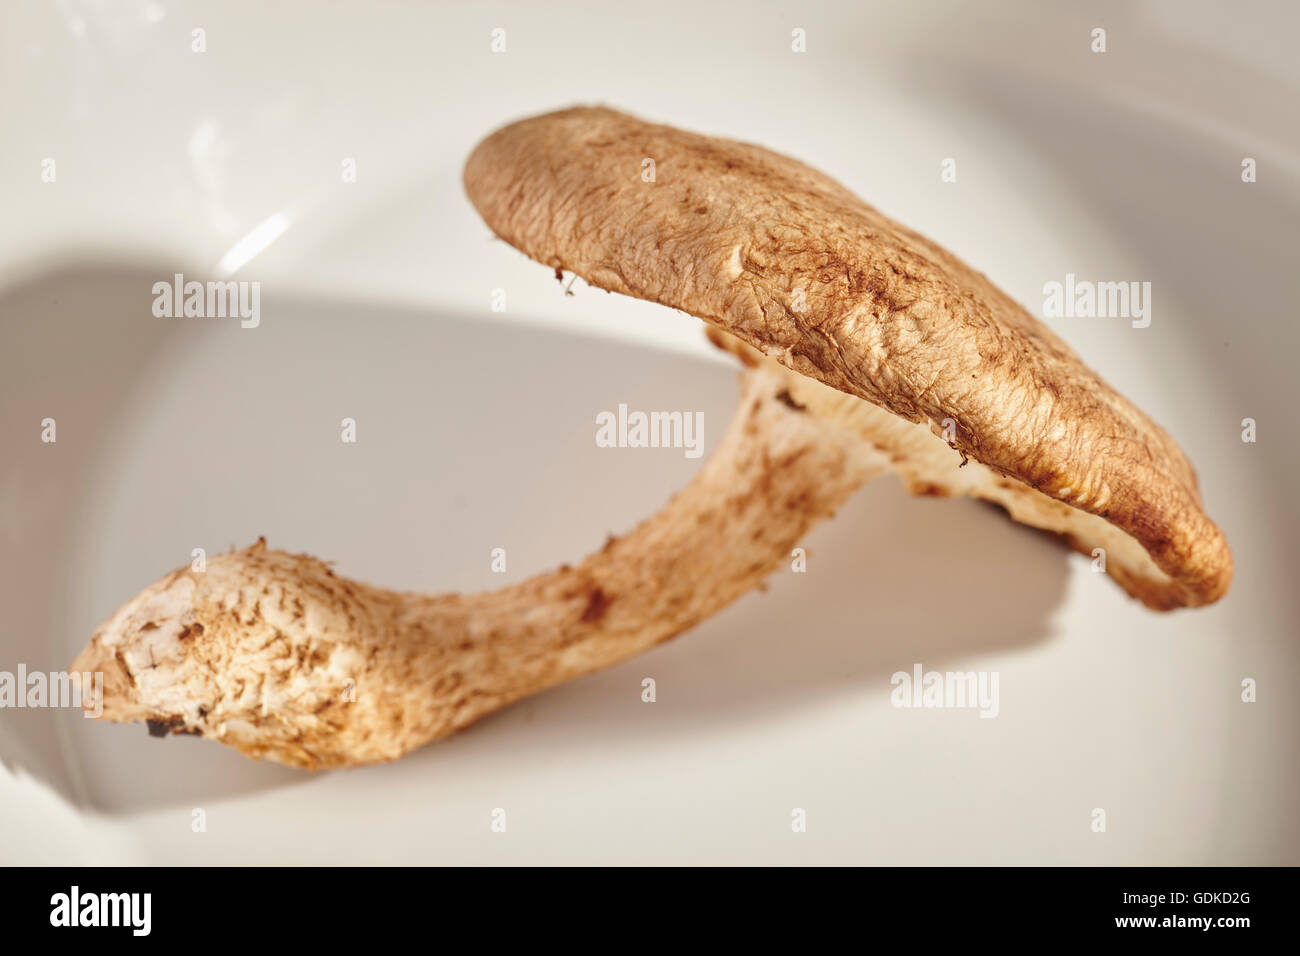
point(476, 428)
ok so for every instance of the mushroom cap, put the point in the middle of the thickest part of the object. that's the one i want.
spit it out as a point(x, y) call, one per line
point(795, 265)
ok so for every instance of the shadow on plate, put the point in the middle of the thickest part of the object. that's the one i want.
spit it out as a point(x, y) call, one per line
point(476, 432)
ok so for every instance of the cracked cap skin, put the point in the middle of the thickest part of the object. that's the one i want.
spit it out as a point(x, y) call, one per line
point(796, 266)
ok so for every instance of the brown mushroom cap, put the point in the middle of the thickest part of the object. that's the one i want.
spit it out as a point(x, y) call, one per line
point(731, 233)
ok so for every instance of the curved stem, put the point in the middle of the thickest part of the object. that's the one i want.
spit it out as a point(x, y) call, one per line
point(276, 655)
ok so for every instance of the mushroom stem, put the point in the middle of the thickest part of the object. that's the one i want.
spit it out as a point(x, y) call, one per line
point(277, 656)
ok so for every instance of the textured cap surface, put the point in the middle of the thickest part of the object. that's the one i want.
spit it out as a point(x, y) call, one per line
point(793, 264)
